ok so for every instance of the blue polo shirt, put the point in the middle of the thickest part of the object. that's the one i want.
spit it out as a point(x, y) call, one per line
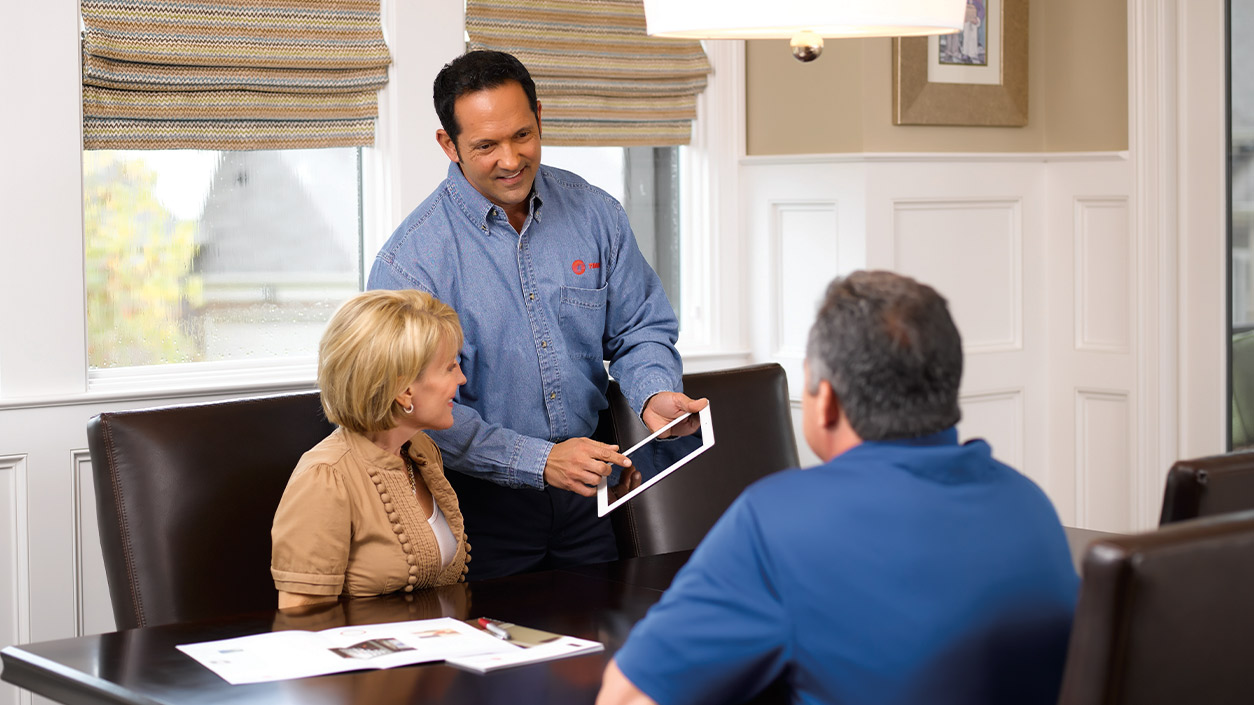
point(917, 571)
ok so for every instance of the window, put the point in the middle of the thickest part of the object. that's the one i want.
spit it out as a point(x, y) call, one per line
point(196, 256)
point(1241, 222)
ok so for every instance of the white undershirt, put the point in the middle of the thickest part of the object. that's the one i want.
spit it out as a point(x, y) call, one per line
point(443, 535)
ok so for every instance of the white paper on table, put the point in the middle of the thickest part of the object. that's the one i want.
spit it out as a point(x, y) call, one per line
point(298, 654)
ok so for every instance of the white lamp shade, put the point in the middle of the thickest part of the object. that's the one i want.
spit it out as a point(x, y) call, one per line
point(772, 19)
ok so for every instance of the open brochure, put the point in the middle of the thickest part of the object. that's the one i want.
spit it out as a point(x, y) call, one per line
point(298, 654)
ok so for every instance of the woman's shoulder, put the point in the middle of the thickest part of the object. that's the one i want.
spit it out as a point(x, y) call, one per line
point(325, 458)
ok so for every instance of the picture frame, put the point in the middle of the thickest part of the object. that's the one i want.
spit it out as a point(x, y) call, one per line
point(976, 77)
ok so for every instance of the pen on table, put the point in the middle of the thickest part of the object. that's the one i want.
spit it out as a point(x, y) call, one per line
point(493, 628)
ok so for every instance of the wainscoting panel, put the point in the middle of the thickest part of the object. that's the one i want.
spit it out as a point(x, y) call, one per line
point(92, 607)
point(1105, 258)
point(996, 417)
point(14, 565)
point(971, 251)
point(804, 225)
point(1103, 464)
point(805, 255)
point(1037, 257)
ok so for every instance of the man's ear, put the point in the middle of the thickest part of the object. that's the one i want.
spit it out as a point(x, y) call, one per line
point(828, 406)
point(448, 145)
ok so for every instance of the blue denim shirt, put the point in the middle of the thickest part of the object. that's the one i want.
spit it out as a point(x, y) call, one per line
point(541, 311)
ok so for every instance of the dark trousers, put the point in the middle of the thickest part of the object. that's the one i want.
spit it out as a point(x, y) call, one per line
point(520, 530)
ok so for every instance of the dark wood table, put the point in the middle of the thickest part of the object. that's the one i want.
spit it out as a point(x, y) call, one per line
point(141, 666)
point(600, 602)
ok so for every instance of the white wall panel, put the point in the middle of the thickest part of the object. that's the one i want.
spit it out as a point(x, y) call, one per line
point(14, 565)
point(970, 251)
point(805, 258)
point(1105, 483)
point(1036, 256)
point(92, 609)
point(1104, 274)
point(997, 417)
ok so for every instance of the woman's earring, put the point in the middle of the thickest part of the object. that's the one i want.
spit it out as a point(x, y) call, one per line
point(409, 409)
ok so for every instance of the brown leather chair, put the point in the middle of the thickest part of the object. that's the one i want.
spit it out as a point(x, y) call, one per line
point(753, 438)
point(1165, 617)
point(185, 497)
point(1208, 486)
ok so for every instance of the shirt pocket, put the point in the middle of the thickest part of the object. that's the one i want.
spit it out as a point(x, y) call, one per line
point(582, 315)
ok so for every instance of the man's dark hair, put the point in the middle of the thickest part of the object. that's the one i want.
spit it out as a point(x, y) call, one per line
point(477, 71)
point(891, 352)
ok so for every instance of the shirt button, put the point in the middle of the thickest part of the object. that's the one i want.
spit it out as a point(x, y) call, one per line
point(533, 297)
point(544, 343)
point(552, 395)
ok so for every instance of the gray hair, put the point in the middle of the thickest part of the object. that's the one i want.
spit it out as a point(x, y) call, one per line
point(891, 352)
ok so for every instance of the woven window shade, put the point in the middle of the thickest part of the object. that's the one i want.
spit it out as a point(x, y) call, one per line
point(600, 79)
point(231, 74)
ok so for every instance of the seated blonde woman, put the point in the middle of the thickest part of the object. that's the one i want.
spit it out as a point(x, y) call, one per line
point(368, 511)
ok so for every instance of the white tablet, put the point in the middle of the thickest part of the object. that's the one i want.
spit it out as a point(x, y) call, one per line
point(656, 458)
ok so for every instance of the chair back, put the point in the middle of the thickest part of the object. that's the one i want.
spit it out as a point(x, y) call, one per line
point(1165, 617)
point(185, 498)
point(753, 438)
point(1208, 486)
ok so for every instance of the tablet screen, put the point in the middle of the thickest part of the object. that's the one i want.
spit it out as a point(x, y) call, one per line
point(656, 458)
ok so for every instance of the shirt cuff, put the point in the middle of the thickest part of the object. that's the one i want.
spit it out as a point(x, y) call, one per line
point(642, 392)
point(307, 583)
point(530, 456)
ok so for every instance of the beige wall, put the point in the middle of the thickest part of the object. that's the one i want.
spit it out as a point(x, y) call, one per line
point(842, 102)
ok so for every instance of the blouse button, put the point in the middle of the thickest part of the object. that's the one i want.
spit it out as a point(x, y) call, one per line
point(407, 548)
point(385, 497)
point(402, 538)
point(410, 559)
point(387, 507)
point(413, 570)
point(397, 530)
point(413, 580)
point(393, 516)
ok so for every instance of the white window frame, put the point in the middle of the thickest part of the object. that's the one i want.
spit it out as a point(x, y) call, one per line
point(43, 340)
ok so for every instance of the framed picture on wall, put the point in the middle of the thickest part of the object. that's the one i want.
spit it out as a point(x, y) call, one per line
point(975, 77)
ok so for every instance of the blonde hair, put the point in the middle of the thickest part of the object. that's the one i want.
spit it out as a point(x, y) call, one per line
point(374, 347)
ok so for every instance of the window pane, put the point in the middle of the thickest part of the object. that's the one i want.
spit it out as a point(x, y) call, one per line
point(646, 181)
point(1241, 223)
point(199, 256)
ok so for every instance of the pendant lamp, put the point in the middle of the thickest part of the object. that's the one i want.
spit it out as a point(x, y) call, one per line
point(805, 22)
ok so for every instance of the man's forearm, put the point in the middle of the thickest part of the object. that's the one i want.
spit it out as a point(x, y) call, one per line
point(491, 451)
point(617, 690)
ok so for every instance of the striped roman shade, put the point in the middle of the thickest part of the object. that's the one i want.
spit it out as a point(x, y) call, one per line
point(231, 74)
point(601, 80)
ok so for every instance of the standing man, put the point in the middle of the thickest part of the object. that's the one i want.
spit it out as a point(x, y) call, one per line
point(906, 569)
point(548, 281)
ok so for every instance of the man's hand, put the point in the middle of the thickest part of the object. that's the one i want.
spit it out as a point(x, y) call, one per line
point(664, 407)
point(628, 480)
point(579, 464)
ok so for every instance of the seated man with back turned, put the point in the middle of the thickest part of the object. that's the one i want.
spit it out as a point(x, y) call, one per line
point(906, 569)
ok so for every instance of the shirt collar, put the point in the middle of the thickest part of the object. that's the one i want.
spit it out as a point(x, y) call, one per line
point(478, 208)
point(947, 437)
point(372, 454)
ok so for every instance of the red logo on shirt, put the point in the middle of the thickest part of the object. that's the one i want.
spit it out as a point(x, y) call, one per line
point(579, 266)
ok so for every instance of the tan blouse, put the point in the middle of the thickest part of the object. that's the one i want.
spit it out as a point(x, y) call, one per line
point(349, 524)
